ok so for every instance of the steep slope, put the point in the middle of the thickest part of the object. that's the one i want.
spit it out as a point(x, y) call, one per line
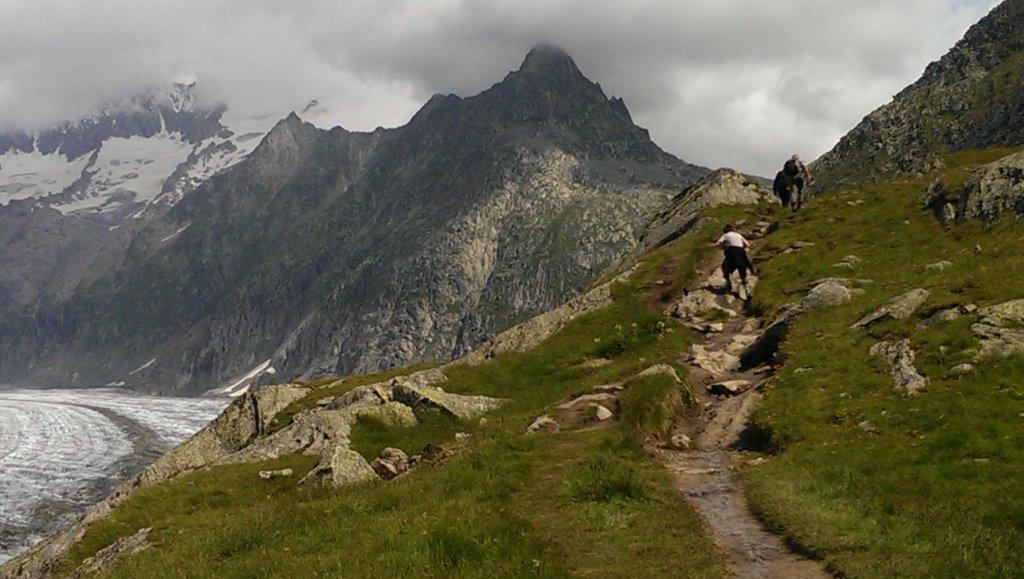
point(338, 251)
point(972, 98)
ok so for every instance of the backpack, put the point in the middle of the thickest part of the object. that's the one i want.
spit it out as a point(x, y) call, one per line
point(791, 168)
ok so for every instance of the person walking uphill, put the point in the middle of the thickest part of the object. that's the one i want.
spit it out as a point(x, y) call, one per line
point(735, 247)
point(790, 182)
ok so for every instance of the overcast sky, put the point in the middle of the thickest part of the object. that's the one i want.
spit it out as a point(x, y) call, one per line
point(742, 83)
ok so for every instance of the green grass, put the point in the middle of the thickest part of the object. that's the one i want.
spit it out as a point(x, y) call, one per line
point(501, 504)
point(934, 492)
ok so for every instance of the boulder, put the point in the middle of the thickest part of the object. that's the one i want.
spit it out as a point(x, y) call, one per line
point(426, 400)
point(312, 432)
point(904, 375)
point(1004, 314)
point(900, 307)
point(697, 301)
point(391, 462)
point(341, 467)
point(389, 414)
point(993, 189)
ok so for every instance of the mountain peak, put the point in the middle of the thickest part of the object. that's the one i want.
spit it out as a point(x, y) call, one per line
point(548, 59)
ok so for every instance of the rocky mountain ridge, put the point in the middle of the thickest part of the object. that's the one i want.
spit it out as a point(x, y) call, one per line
point(972, 98)
point(334, 251)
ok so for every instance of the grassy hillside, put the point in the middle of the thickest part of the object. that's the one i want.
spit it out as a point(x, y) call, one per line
point(501, 503)
point(928, 485)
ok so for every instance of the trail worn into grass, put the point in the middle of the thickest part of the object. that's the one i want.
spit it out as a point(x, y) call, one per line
point(706, 475)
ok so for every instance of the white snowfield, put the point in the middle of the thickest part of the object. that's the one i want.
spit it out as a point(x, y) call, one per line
point(57, 451)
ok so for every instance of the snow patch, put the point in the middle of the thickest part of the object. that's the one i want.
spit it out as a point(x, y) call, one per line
point(142, 367)
point(175, 234)
point(25, 175)
point(240, 387)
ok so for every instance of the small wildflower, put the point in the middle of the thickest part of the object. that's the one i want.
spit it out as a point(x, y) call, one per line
point(597, 340)
point(618, 327)
point(633, 325)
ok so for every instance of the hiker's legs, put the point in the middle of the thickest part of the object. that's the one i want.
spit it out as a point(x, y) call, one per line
point(798, 196)
point(727, 270)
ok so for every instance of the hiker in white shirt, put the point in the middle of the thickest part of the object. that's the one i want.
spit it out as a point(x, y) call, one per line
point(735, 247)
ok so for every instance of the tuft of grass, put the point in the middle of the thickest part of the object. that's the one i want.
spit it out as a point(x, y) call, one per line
point(604, 478)
point(652, 405)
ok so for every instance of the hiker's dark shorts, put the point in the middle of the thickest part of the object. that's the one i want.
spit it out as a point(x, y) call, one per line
point(736, 259)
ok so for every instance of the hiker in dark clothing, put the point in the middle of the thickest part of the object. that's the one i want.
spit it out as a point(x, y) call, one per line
point(735, 247)
point(790, 182)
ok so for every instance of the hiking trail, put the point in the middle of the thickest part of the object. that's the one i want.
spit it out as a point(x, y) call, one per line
point(706, 474)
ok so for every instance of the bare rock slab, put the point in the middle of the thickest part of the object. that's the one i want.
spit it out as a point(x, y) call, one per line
point(899, 308)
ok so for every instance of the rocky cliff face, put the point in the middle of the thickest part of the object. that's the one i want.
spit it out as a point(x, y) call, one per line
point(972, 98)
point(332, 251)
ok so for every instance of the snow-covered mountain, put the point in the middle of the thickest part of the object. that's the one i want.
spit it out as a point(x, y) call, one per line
point(136, 154)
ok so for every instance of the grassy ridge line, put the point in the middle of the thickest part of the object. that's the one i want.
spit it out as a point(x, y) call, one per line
point(877, 484)
point(572, 503)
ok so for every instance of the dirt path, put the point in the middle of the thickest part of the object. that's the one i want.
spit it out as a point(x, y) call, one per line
point(706, 475)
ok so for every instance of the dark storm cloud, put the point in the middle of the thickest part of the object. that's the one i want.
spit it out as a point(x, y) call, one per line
point(737, 82)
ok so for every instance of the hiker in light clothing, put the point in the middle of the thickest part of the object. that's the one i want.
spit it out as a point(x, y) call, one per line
point(735, 247)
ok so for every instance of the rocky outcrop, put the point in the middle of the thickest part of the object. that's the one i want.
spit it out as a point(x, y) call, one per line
point(947, 315)
point(900, 307)
point(681, 214)
point(105, 559)
point(905, 377)
point(994, 189)
point(341, 467)
point(830, 292)
point(238, 426)
point(1000, 329)
point(970, 99)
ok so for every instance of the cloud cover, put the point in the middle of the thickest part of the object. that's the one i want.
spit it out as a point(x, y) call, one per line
point(743, 83)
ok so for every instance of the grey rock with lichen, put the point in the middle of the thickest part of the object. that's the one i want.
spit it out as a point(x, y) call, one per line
point(904, 374)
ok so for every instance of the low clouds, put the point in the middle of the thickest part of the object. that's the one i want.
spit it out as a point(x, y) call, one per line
point(718, 82)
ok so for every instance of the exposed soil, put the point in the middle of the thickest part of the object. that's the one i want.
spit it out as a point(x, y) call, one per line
point(706, 474)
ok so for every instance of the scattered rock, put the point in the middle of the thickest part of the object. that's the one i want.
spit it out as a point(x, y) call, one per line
point(961, 370)
point(606, 398)
point(899, 308)
point(729, 387)
point(545, 423)
point(601, 413)
point(947, 214)
point(608, 389)
point(462, 435)
point(867, 426)
point(679, 442)
point(798, 245)
point(104, 560)
point(269, 474)
point(900, 356)
point(717, 363)
point(391, 462)
point(697, 301)
point(426, 400)
point(939, 265)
